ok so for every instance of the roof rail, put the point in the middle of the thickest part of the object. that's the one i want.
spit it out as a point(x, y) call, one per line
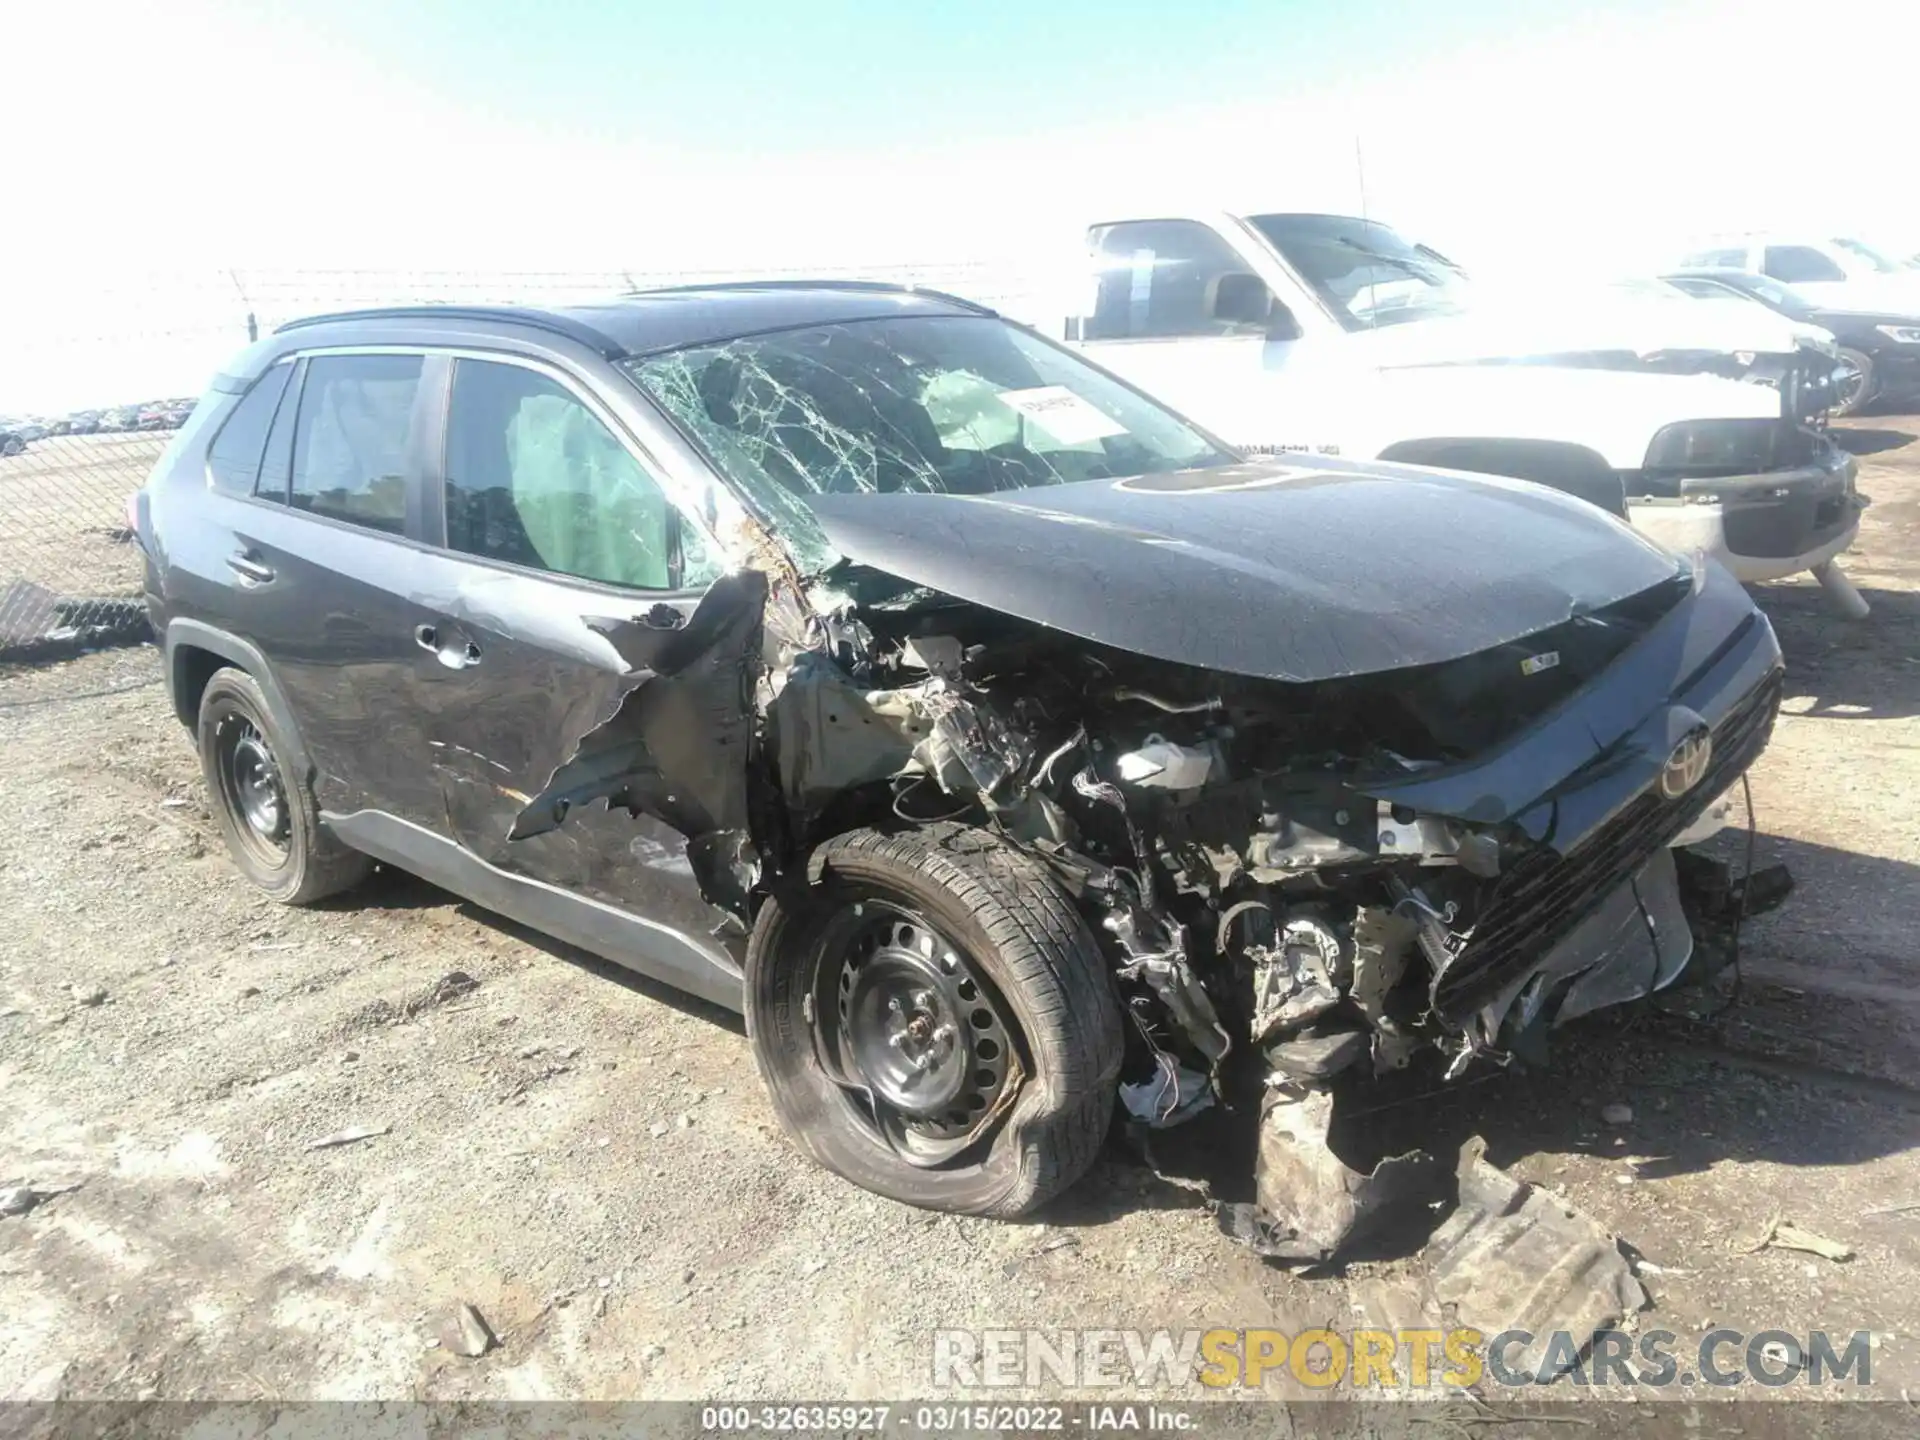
point(565, 325)
point(876, 287)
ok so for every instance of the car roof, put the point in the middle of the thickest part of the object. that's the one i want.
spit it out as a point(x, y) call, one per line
point(648, 322)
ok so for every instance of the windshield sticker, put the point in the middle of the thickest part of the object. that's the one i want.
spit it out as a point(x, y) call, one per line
point(1063, 414)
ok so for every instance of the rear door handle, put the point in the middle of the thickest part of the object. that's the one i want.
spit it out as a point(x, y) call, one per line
point(456, 652)
point(249, 566)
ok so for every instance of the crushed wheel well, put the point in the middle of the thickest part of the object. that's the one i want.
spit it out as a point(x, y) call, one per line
point(1557, 464)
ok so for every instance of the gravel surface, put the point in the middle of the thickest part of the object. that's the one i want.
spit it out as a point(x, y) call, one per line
point(587, 1162)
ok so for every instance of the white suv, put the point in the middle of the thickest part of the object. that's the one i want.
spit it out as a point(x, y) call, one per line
point(1331, 334)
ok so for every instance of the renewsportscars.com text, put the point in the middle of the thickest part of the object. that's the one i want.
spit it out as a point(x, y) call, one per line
point(1364, 1359)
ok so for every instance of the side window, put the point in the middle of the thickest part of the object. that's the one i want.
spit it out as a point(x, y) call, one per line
point(1800, 262)
point(1171, 278)
point(276, 466)
point(234, 457)
point(535, 478)
point(350, 438)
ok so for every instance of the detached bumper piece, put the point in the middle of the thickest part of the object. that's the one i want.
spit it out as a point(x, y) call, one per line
point(1766, 502)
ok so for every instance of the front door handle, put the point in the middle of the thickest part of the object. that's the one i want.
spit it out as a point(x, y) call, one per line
point(249, 566)
point(456, 652)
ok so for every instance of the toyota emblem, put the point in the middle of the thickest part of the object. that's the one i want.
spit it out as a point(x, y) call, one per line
point(1687, 765)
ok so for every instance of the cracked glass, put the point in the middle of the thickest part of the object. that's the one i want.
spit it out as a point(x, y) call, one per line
point(952, 405)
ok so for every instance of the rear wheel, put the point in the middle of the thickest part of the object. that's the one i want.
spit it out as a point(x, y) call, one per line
point(935, 1022)
point(1853, 392)
point(266, 815)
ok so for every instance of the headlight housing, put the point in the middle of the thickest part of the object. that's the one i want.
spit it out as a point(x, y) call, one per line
point(1901, 334)
point(1711, 448)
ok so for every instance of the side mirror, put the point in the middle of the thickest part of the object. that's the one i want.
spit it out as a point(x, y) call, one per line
point(1240, 298)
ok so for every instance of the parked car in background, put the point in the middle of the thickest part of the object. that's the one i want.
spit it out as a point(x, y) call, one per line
point(83, 422)
point(1882, 349)
point(1001, 742)
point(1328, 334)
point(121, 418)
point(1737, 340)
point(12, 442)
point(1835, 273)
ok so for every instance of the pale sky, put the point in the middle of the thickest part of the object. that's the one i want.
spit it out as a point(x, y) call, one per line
point(432, 148)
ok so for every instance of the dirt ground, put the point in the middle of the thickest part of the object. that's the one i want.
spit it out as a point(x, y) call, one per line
point(588, 1160)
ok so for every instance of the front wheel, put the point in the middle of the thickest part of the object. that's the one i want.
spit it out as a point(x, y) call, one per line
point(935, 1022)
point(1852, 393)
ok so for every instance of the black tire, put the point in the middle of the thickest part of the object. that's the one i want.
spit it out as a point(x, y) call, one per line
point(1862, 394)
point(302, 861)
point(1019, 933)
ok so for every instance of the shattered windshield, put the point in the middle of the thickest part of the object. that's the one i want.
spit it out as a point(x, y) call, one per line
point(1365, 271)
point(955, 405)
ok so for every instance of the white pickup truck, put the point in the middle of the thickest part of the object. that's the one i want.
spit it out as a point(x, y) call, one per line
point(1334, 335)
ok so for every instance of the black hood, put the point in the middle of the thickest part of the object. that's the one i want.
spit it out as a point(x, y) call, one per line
point(1299, 572)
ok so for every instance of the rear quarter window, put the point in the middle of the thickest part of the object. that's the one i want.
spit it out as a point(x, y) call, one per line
point(233, 459)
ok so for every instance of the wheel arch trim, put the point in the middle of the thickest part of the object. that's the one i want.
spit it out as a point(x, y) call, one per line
point(184, 634)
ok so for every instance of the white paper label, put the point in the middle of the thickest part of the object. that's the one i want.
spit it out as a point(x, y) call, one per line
point(1063, 414)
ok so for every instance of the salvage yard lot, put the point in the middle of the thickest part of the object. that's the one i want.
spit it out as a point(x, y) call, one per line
point(588, 1160)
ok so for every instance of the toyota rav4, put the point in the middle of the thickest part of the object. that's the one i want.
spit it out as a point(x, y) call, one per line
point(1008, 748)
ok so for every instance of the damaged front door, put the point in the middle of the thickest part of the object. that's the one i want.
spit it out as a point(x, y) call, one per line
point(587, 683)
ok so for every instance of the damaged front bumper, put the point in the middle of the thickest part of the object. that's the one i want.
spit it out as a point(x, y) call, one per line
point(1596, 913)
point(1761, 527)
point(1680, 719)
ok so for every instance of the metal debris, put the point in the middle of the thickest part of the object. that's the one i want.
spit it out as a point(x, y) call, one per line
point(22, 1199)
point(350, 1135)
point(1512, 1257)
point(87, 995)
point(1785, 1235)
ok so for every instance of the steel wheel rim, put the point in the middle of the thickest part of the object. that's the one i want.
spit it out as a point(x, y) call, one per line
point(912, 1033)
point(253, 789)
point(1848, 390)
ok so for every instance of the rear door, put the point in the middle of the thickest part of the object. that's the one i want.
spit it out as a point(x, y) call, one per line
point(582, 662)
point(315, 500)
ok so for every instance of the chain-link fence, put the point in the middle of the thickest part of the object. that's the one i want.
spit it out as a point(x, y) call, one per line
point(106, 395)
point(69, 574)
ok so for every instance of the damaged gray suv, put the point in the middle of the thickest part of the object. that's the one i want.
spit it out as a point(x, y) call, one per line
point(1007, 747)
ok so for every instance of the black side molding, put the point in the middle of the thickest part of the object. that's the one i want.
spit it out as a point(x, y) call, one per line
point(655, 950)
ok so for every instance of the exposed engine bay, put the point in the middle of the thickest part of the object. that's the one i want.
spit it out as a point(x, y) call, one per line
point(1236, 844)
